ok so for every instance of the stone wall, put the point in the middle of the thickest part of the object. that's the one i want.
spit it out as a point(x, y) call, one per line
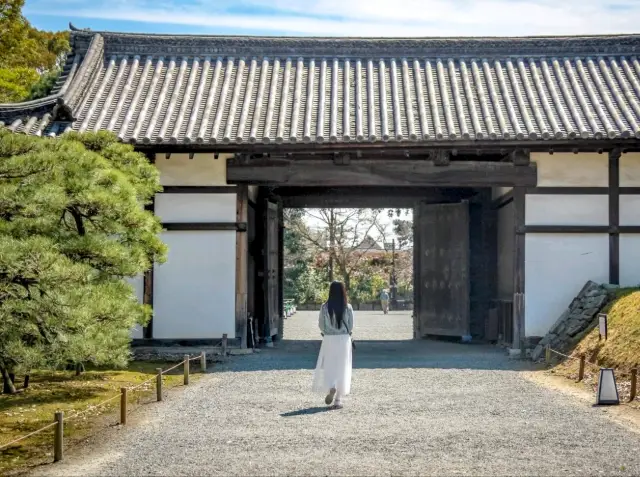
point(580, 316)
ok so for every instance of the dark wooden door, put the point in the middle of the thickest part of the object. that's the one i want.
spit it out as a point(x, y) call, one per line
point(272, 270)
point(442, 298)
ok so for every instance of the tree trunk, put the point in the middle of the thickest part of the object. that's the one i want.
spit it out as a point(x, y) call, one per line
point(25, 385)
point(79, 369)
point(7, 387)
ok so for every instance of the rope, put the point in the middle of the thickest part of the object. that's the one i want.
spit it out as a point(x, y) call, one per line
point(95, 406)
point(561, 354)
point(28, 435)
point(80, 413)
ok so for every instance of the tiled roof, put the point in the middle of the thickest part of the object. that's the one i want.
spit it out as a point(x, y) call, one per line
point(151, 89)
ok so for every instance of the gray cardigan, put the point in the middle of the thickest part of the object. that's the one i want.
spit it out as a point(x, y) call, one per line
point(328, 328)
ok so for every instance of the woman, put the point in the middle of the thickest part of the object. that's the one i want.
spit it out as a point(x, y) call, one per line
point(333, 370)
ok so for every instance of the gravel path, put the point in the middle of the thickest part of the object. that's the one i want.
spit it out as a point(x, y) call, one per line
point(417, 408)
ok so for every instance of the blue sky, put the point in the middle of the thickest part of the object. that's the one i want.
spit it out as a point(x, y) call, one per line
point(392, 18)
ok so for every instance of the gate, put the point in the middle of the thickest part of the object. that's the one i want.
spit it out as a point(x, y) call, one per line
point(442, 270)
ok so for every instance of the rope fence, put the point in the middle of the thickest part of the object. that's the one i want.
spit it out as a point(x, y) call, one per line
point(582, 360)
point(59, 419)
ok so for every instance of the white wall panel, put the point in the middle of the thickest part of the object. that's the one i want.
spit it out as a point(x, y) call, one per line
point(506, 243)
point(630, 170)
point(572, 170)
point(556, 267)
point(196, 207)
point(630, 210)
point(202, 170)
point(629, 260)
point(194, 291)
point(567, 209)
point(138, 285)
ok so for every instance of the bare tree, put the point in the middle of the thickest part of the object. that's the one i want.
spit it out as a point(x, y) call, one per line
point(344, 236)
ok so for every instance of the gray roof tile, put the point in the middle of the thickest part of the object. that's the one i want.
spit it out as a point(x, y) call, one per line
point(152, 89)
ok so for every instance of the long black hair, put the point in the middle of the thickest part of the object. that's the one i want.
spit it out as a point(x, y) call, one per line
point(337, 303)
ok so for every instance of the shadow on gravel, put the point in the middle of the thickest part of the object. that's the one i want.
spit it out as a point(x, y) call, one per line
point(417, 354)
point(306, 412)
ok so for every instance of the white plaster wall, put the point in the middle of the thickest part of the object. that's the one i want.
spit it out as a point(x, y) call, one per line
point(506, 244)
point(196, 207)
point(202, 170)
point(138, 285)
point(630, 210)
point(194, 291)
point(629, 260)
point(566, 209)
point(572, 170)
point(556, 267)
point(499, 191)
point(630, 170)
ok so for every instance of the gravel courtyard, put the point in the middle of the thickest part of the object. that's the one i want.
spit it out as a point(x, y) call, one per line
point(417, 408)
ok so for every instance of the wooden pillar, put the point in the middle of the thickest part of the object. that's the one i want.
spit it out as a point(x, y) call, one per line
point(242, 251)
point(520, 158)
point(614, 216)
point(280, 269)
point(147, 279)
point(519, 194)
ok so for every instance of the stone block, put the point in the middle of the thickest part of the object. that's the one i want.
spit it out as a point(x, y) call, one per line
point(589, 313)
point(565, 314)
point(537, 352)
point(575, 328)
point(547, 339)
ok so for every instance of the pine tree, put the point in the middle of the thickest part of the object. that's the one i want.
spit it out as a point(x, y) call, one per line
point(72, 229)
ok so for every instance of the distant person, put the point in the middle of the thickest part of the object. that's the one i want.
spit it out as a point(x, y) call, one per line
point(384, 301)
point(333, 369)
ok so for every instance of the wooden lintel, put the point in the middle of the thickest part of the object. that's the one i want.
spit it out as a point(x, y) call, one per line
point(395, 173)
point(236, 226)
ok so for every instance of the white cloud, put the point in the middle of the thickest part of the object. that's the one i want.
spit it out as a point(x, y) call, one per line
point(374, 17)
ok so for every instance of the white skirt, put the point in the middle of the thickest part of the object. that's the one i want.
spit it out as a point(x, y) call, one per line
point(333, 368)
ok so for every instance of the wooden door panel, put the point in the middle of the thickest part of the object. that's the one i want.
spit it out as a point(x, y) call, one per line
point(443, 307)
point(271, 267)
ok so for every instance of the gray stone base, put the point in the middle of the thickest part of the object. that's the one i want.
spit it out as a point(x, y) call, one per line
point(579, 318)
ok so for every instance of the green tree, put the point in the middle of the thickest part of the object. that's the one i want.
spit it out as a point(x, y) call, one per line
point(72, 229)
point(30, 59)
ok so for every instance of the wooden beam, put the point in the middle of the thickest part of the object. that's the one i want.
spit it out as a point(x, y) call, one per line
point(614, 216)
point(237, 226)
point(199, 189)
point(581, 190)
point(242, 259)
point(395, 173)
point(362, 197)
point(578, 229)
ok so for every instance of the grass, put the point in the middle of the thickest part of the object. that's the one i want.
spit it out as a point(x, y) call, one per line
point(620, 351)
point(49, 392)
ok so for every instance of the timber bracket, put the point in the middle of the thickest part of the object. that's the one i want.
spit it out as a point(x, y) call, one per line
point(440, 157)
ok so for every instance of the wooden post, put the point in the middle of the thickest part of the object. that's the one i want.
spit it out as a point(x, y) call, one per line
point(242, 258)
point(519, 196)
point(186, 369)
point(159, 384)
point(203, 362)
point(58, 436)
point(547, 354)
point(634, 384)
point(224, 344)
point(123, 406)
point(614, 216)
point(581, 370)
